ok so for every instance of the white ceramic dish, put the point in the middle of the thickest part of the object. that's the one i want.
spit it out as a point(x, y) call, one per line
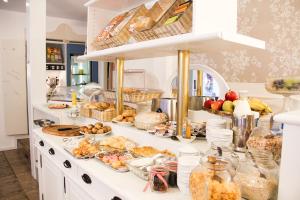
point(96, 135)
point(123, 123)
point(185, 140)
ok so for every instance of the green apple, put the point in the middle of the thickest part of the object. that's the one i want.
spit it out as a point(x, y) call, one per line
point(228, 106)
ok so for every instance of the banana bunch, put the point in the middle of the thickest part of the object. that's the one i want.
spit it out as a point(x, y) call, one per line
point(259, 106)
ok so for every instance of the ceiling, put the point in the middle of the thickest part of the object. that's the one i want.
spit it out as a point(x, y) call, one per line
point(71, 9)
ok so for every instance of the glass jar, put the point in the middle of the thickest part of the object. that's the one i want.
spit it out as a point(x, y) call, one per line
point(226, 152)
point(212, 180)
point(263, 141)
point(159, 176)
point(257, 176)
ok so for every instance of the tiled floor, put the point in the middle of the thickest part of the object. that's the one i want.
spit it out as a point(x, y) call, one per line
point(16, 182)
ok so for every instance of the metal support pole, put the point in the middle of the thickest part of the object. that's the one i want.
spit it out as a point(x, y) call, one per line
point(183, 84)
point(199, 83)
point(119, 89)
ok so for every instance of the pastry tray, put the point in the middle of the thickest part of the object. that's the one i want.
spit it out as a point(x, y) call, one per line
point(71, 143)
point(121, 170)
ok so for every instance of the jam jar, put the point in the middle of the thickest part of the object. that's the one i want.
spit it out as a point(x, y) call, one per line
point(159, 176)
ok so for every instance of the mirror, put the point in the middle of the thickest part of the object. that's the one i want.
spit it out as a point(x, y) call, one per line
point(203, 81)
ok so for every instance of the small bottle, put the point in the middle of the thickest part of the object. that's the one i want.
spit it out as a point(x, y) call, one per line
point(188, 129)
point(74, 111)
point(74, 99)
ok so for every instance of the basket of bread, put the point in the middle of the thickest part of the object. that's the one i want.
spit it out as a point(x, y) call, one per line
point(148, 120)
point(117, 33)
point(177, 20)
point(103, 111)
point(135, 95)
point(143, 27)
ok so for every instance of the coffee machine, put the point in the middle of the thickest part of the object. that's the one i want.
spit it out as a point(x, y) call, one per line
point(52, 83)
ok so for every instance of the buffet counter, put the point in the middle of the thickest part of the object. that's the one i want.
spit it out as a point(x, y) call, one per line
point(105, 182)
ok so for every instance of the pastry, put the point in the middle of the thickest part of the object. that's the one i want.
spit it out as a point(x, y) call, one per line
point(118, 142)
point(58, 106)
point(128, 113)
point(90, 126)
point(94, 130)
point(148, 151)
point(130, 119)
point(85, 149)
point(98, 125)
point(119, 118)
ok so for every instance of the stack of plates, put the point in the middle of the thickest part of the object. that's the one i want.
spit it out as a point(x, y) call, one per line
point(216, 123)
point(185, 166)
point(219, 137)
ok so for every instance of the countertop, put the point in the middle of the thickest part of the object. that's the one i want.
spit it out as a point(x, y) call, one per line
point(289, 117)
point(126, 184)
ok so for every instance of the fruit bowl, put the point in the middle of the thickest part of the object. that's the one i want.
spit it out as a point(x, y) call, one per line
point(285, 86)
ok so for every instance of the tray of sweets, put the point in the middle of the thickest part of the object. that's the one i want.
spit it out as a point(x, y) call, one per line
point(114, 159)
point(81, 148)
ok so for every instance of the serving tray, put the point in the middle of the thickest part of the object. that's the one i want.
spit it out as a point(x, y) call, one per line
point(62, 130)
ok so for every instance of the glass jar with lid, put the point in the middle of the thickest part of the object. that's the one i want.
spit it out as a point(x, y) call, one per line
point(263, 141)
point(226, 152)
point(257, 176)
point(213, 180)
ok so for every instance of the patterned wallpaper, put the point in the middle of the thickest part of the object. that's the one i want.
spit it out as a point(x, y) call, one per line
point(275, 21)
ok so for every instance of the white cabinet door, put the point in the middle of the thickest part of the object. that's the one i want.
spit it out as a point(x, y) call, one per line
point(53, 187)
point(74, 192)
point(39, 172)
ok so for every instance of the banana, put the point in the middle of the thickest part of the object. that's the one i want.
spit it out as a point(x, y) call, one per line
point(258, 105)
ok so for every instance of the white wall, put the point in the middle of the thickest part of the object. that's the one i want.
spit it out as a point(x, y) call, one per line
point(13, 25)
point(13, 86)
point(78, 27)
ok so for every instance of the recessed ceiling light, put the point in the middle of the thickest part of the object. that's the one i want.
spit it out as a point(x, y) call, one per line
point(5, 1)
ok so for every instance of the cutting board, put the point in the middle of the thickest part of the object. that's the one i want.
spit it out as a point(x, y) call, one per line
point(54, 130)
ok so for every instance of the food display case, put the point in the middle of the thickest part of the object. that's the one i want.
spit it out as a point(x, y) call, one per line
point(80, 71)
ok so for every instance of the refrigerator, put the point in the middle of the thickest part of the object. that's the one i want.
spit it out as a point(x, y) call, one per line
point(80, 72)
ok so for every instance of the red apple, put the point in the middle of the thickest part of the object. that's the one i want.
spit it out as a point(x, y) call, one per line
point(217, 105)
point(231, 96)
point(207, 103)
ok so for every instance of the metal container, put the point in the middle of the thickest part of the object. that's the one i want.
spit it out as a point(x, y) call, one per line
point(43, 122)
point(242, 128)
point(165, 105)
point(197, 102)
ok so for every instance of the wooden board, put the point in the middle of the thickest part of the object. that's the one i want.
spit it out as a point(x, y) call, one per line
point(54, 130)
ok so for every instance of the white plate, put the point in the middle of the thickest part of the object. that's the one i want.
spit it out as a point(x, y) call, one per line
point(184, 140)
point(123, 123)
point(162, 135)
point(96, 135)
